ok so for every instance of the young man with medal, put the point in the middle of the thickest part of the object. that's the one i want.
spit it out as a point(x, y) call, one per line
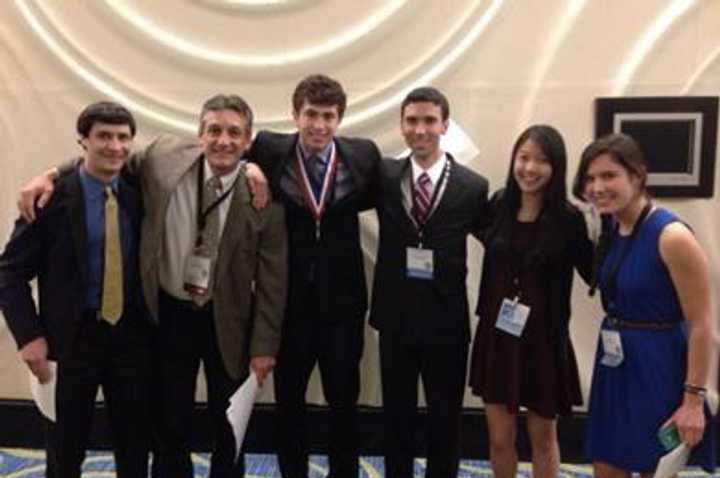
point(428, 204)
point(323, 180)
point(90, 328)
point(213, 271)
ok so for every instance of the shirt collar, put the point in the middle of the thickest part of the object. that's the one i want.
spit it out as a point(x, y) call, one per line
point(91, 184)
point(324, 155)
point(434, 171)
point(226, 180)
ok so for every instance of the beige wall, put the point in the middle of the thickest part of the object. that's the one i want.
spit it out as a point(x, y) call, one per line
point(503, 64)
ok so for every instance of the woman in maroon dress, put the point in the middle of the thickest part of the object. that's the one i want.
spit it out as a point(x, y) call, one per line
point(522, 355)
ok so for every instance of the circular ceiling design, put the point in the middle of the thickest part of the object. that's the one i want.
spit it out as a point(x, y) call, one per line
point(260, 48)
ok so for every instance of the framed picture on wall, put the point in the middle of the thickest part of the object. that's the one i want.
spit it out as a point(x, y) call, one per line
point(678, 135)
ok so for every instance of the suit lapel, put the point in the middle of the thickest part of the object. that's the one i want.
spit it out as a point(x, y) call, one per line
point(346, 156)
point(288, 157)
point(286, 166)
point(76, 211)
point(234, 224)
point(180, 165)
point(450, 192)
point(397, 175)
point(130, 200)
point(349, 159)
point(350, 165)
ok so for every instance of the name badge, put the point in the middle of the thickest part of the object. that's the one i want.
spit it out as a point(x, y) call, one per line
point(197, 273)
point(612, 348)
point(512, 317)
point(420, 263)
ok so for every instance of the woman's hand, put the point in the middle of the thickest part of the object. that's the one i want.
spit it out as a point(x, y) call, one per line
point(689, 419)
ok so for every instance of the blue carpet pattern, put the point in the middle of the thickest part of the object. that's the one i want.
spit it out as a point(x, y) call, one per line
point(23, 463)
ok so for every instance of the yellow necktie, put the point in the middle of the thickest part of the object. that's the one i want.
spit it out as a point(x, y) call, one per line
point(112, 288)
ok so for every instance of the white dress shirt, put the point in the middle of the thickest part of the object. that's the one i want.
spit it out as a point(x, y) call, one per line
point(181, 226)
point(435, 172)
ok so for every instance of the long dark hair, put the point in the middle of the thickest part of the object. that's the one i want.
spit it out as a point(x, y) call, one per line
point(554, 203)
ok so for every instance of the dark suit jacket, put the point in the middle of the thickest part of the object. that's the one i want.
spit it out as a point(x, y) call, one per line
point(335, 261)
point(53, 249)
point(426, 311)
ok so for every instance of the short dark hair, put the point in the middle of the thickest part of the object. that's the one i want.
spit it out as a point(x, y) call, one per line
point(427, 94)
point(104, 112)
point(320, 90)
point(623, 148)
point(227, 102)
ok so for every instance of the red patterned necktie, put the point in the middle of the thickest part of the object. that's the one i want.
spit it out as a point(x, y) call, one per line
point(421, 196)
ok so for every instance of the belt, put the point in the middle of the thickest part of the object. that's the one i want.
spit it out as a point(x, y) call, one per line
point(184, 304)
point(641, 324)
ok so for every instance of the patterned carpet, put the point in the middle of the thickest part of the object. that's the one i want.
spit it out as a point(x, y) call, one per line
point(22, 463)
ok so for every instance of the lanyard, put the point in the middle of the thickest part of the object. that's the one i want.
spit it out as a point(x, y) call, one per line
point(610, 289)
point(317, 207)
point(520, 258)
point(433, 200)
point(203, 214)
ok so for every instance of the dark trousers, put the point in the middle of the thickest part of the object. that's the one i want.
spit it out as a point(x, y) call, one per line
point(442, 368)
point(116, 358)
point(336, 346)
point(186, 336)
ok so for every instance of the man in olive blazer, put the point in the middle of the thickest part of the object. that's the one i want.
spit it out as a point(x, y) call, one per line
point(251, 254)
point(238, 329)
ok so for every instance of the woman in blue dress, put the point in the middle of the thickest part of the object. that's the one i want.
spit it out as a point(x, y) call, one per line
point(654, 351)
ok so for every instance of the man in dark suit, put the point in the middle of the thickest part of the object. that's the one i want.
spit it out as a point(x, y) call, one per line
point(323, 180)
point(428, 205)
point(83, 250)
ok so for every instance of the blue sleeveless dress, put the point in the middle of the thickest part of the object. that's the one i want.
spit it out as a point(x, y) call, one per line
point(630, 402)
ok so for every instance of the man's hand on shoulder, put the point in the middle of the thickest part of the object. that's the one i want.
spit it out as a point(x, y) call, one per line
point(34, 354)
point(36, 191)
point(258, 186)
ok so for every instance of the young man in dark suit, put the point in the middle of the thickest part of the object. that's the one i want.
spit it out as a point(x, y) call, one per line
point(428, 204)
point(323, 180)
point(83, 250)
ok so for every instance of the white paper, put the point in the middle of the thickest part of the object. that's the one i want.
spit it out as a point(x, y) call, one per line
point(672, 463)
point(44, 393)
point(241, 405)
point(712, 401)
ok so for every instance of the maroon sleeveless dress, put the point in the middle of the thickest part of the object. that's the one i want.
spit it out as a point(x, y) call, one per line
point(521, 371)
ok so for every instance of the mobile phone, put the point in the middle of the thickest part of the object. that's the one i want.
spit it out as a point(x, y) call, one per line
point(669, 437)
